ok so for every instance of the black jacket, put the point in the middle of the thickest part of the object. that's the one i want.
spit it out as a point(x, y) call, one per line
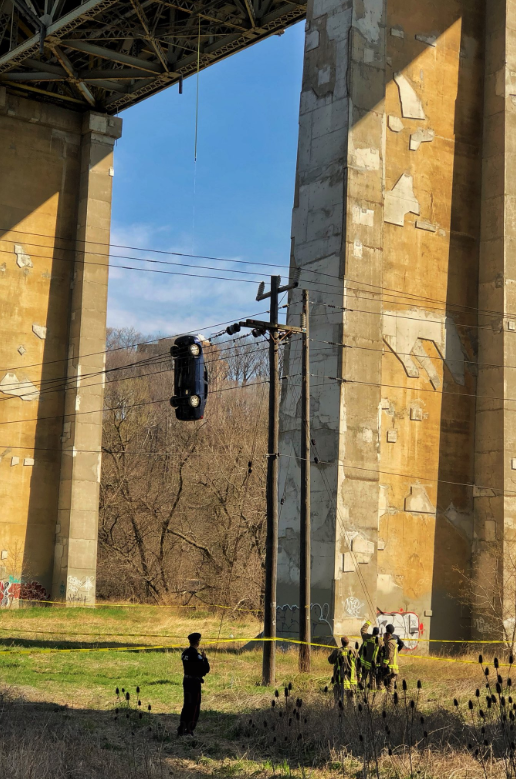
point(194, 664)
point(401, 645)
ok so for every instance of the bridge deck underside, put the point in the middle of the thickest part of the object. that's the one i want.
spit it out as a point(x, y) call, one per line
point(107, 55)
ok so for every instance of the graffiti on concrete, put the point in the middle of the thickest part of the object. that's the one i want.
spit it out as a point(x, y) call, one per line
point(287, 619)
point(12, 589)
point(353, 606)
point(80, 590)
point(406, 626)
point(406, 623)
point(482, 626)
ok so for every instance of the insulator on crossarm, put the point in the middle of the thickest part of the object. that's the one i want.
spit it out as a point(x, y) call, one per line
point(232, 329)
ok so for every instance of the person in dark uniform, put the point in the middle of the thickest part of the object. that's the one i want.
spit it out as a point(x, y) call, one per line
point(196, 666)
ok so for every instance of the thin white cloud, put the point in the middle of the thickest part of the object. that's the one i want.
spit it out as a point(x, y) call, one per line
point(167, 304)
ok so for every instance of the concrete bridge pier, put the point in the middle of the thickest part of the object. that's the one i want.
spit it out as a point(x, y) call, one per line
point(56, 169)
point(403, 229)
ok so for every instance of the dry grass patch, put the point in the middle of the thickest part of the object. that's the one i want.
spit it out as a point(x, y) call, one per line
point(68, 718)
point(122, 625)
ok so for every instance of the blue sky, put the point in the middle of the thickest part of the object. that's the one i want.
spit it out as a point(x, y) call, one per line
point(235, 203)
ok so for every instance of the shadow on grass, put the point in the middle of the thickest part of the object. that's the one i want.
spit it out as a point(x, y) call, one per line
point(46, 740)
point(13, 643)
point(284, 731)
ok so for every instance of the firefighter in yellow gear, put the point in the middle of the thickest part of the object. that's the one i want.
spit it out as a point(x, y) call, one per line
point(344, 661)
point(389, 659)
point(369, 655)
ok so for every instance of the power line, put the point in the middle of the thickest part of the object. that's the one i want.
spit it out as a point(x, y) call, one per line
point(117, 380)
point(73, 379)
point(322, 462)
point(136, 249)
point(164, 272)
point(412, 298)
point(319, 376)
point(399, 315)
point(400, 296)
point(411, 389)
point(71, 382)
point(344, 464)
point(296, 270)
point(130, 346)
point(476, 363)
point(126, 408)
point(137, 259)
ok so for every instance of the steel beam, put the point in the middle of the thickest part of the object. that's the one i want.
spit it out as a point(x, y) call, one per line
point(67, 65)
point(32, 76)
point(143, 21)
point(66, 24)
point(124, 74)
point(52, 95)
point(48, 67)
point(168, 30)
point(109, 86)
point(112, 55)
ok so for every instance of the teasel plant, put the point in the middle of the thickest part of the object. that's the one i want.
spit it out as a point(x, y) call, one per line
point(492, 716)
point(141, 726)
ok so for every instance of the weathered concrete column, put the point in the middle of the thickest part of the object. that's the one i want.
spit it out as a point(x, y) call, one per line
point(386, 236)
point(337, 232)
point(77, 524)
point(495, 473)
point(55, 192)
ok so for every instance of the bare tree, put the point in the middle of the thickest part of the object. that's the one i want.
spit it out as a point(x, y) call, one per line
point(490, 591)
point(246, 360)
point(182, 509)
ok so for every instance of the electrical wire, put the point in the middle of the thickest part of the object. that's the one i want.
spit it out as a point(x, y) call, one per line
point(343, 280)
point(128, 407)
point(401, 298)
point(67, 383)
point(412, 476)
point(155, 359)
point(131, 346)
point(412, 389)
point(391, 351)
point(138, 259)
point(71, 383)
point(389, 314)
point(217, 259)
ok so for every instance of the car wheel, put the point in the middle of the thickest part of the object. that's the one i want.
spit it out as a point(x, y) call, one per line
point(174, 402)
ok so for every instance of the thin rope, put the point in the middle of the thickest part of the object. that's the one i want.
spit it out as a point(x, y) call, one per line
point(197, 93)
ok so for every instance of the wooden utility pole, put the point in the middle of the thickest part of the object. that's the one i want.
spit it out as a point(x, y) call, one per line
point(304, 535)
point(271, 544)
point(276, 332)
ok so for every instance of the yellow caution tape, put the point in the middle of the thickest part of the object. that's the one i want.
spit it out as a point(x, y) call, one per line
point(219, 606)
point(214, 641)
point(231, 640)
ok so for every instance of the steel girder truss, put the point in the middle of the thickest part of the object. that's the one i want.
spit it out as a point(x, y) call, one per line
point(107, 55)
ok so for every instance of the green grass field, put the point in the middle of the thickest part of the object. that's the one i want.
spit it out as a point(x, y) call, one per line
point(74, 692)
